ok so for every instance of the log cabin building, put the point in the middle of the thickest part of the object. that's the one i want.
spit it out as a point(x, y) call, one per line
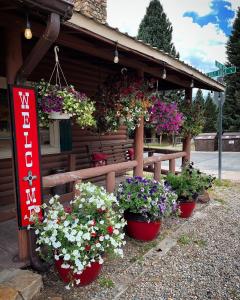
point(87, 44)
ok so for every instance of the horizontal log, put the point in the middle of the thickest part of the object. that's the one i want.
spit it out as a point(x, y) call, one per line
point(106, 137)
point(57, 179)
point(153, 159)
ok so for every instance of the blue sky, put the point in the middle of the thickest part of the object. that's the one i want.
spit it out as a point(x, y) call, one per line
point(200, 27)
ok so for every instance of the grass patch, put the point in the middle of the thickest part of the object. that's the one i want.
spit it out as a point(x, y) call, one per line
point(221, 201)
point(187, 240)
point(223, 183)
point(200, 243)
point(184, 240)
point(106, 282)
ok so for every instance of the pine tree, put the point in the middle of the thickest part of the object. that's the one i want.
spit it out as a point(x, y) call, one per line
point(156, 29)
point(231, 108)
point(210, 115)
point(199, 98)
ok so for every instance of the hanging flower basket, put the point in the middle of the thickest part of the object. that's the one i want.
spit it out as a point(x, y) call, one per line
point(89, 274)
point(56, 115)
point(57, 101)
point(165, 117)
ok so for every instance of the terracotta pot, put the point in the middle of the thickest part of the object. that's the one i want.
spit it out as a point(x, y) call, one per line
point(204, 198)
point(87, 276)
point(186, 209)
point(139, 229)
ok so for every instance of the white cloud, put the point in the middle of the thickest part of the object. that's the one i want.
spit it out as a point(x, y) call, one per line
point(192, 41)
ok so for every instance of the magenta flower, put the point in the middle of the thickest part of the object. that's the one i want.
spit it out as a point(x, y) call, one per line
point(165, 116)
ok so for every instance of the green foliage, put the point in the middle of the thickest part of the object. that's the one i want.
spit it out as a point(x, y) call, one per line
point(156, 29)
point(184, 240)
point(199, 98)
point(193, 118)
point(231, 108)
point(210, 115)
point(189, 183)
point(106, 282)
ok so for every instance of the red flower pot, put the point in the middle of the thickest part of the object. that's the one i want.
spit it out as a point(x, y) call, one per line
point(142, 230)
point(186, 209)
point(87, 276)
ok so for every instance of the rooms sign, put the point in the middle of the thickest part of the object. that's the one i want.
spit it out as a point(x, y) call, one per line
point(26, 153)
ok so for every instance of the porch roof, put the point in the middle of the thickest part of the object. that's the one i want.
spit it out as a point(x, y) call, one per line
point(150, 59)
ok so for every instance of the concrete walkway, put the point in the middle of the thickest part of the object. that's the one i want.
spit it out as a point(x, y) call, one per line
point(208, 162)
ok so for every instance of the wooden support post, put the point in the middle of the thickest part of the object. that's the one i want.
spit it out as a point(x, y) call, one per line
point(172, 165)
point(187, 140)
point(110, 182)
point(139, 141)
point(72, 167)
point(157, 171)
point(13, 63)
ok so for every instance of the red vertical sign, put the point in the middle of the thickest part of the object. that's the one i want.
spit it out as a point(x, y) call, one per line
point(26, 153)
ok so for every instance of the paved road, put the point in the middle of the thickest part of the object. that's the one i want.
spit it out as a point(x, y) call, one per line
point(208, 162)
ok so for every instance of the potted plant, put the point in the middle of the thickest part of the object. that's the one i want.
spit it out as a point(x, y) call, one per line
point(78, 237)
point(187, 185)
point(55, 103)
point(145, 202)
point(205, 183)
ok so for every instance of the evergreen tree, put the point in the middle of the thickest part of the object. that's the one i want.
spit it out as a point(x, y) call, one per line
point(156, 29)
point(231, 109)
point(199, 98)
point(210, 115)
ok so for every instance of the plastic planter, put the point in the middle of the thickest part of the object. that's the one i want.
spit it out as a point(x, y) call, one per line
point(139, 229)
point(186, 209)
point(87, 276)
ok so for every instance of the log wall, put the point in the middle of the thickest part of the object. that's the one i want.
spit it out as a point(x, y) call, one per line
point(81, 140)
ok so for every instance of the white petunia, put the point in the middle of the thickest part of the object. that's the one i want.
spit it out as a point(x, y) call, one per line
point(86, 236)
point(116, 231)
point(66, 256)
point(66, 223)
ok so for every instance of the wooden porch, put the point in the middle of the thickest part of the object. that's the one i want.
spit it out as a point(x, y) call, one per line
point(87, 59)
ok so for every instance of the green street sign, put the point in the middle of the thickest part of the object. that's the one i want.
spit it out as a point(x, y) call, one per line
point(222, 72)
point(219, 65)
point(230, 70)
point(214, 74)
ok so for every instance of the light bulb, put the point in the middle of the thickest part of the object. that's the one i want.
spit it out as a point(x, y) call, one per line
point(164, 75)
point(192, 83)
point(28, 33)
point(116, 59)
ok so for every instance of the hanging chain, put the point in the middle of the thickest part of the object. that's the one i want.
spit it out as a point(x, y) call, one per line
point(57, 70)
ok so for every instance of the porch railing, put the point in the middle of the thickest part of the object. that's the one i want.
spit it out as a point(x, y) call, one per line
point(109, 171)
point(77, 176)
point(154, 163)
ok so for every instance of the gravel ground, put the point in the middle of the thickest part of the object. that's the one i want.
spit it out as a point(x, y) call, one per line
point(194, 259)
